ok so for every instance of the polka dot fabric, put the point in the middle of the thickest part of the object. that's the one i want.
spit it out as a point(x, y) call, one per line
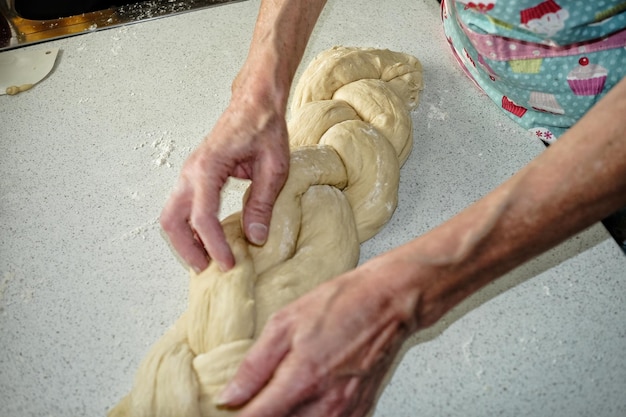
point(544, 63)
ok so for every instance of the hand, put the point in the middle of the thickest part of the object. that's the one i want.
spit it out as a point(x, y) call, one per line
point(249, 141)
point(326, 354)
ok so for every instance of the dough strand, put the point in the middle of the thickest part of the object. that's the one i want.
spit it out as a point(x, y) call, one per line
point(350, 131)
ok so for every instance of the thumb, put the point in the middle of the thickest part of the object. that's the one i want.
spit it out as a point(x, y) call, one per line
point(256, 369)
point(257, 211)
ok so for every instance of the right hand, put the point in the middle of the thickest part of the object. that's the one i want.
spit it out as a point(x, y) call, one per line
point(327, 353)
point(249, 141)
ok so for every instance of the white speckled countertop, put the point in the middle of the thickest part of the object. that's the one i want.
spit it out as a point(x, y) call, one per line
point(87, 283)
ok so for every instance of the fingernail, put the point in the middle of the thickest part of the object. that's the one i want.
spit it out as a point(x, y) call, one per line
point(257, 233)
point(229, 394)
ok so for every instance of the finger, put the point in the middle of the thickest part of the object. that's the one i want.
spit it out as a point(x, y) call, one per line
point(174, 221)
point(203, 219)
point(363, 394)
point(331, 404)
point(346, 398)
point(293, 384)
point(268, 180)
point(257, 367)
point(360, 405)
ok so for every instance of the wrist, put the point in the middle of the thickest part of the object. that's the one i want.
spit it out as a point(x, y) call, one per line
point(258, 86)
point(442, 267)
point(278, 42)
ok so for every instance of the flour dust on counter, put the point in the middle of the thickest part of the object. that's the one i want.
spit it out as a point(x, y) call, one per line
point(162, 149)
point(140, 231)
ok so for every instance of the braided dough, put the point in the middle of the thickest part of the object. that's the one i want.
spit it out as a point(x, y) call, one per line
point(350, 132)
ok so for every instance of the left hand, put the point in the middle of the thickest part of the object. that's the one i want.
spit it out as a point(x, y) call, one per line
point(326, 354)
point(249, 141)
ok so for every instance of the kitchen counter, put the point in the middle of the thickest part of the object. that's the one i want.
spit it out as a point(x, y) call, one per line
point(88, 283)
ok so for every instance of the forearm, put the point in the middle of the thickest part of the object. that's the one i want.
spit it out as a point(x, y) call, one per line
point(576, 182)
point(279, 39)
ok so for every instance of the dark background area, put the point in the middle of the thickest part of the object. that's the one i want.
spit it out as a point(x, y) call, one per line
point(46, 9)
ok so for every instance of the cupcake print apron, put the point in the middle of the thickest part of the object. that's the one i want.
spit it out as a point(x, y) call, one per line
point(545, 63)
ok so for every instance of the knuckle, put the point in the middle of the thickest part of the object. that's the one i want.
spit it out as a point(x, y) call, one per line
point(168, 221)
point(335, 403)
point(202, 221)
point(312, 381)
point(279, 321)
point(281, 165)
point(248, 370)
point(280, 171)
point(259, 208)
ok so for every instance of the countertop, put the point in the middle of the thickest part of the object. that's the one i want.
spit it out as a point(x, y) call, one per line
point(88, 283)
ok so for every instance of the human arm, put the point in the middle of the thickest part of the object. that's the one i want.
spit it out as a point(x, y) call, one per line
point(248, 141)
point(326, 353)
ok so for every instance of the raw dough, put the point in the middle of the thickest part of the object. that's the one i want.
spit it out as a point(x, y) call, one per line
point(350, 132)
